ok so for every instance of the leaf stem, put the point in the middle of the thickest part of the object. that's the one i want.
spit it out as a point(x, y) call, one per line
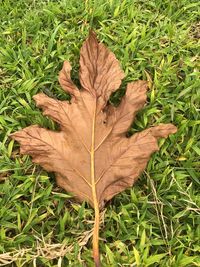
point(96, 239)
point(94, 195)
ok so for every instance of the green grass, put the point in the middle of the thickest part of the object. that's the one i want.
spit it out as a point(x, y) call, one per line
point(155, 223)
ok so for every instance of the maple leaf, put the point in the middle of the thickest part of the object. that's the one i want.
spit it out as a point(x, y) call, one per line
point(91, 155)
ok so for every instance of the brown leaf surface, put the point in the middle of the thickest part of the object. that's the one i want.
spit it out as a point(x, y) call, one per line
point(91, 155)
point(91, 150)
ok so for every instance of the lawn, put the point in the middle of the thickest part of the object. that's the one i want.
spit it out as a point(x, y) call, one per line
point(155, 223)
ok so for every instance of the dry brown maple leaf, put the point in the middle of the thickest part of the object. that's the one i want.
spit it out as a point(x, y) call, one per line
point(91, 155)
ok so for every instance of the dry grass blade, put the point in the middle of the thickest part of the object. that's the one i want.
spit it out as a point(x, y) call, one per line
point(49, 251)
